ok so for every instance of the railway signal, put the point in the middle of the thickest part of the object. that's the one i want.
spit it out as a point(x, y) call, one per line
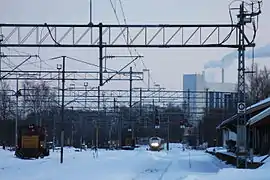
point(157, 123)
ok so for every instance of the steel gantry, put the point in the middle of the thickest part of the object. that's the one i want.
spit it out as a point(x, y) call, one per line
point(79, 35)
point(105, 35)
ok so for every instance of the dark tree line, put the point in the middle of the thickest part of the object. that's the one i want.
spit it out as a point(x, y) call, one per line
point(257, 87)
point(39, 106)
point(258, 84)
point(6, 102)
point(36, 97)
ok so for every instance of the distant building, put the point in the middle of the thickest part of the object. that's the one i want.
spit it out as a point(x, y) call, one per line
point(194, 85)
point(221, 95)
point(200, 94)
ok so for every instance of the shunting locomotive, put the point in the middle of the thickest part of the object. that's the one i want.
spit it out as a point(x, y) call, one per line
point(32, 142)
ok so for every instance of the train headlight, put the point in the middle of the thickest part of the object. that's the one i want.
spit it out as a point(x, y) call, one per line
point(154, 144)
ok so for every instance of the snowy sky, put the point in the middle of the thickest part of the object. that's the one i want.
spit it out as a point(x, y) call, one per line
point(167, 65)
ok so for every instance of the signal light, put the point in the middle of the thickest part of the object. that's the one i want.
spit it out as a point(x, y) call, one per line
point(157, 123)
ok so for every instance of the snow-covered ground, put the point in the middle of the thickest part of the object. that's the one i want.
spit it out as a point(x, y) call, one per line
point(125, 165)
point(224, 151)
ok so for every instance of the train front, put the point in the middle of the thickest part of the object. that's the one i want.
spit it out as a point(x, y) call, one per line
point(155, 144)
point(31, 142)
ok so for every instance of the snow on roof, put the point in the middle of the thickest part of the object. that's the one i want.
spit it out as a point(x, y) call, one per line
point(226, 121)
point(259, 117)
point(232, 118)
point(267, 100)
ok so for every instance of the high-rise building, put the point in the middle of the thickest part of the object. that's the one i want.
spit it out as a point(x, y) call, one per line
point(200, 94)
point(193, 86)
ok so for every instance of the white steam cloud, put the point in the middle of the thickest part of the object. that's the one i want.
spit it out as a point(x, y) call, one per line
point(227, 60)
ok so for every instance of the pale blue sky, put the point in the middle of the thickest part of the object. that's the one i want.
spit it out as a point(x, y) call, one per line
point(167, 65)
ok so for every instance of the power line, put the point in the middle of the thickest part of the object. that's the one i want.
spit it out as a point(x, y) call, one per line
point(118, 20)
point(125, 21)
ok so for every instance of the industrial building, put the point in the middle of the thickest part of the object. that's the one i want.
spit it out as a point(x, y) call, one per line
point(201, 94)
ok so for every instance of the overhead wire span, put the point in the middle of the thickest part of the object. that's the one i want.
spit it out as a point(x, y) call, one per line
point(16, 67)
point(107, 80)
point(118, 20)
point(125, 21)
point(50, 32)
point(82, 61)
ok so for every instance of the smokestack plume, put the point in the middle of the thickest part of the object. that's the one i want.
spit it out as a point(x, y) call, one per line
point(226, 61)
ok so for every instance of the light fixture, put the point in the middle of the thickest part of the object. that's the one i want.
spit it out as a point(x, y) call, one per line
point(59, 66)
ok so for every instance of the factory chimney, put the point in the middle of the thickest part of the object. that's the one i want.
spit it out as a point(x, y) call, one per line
point(203, 75)
point(222, 75)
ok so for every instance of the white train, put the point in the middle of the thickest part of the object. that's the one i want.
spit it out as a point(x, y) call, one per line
point(156, 144)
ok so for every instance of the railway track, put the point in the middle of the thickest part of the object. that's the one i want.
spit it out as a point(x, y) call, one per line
point(165, 171)
point(152, 173)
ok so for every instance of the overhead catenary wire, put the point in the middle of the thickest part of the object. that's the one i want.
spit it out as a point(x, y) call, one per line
point(107, 80)
point(19, 53)
point(16, 67)
point(125, 21)
point(118, 20)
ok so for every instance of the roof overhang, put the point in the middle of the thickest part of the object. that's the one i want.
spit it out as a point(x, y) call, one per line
point(259, 117)
point(249, 110)
point(229, 121)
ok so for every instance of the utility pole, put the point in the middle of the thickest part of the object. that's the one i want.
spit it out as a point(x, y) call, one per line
point(100, 55)
point(105, 113)
point(252, 75)
point(72, 128)
point(241, 129)
point(1, 39)
point(91, 13)
point(81, 133)
point(113, 121)
point(97, 123)
point(168, 133)
point(188, 103)
point(24, 93)
point(154, 116)
point(242, 146)
point(17, 112)
point(62, 110)
point(54, 130)
point(120, 129)
point(130, 105)
point(58, 67)
point(85, 102)
point(140, 104)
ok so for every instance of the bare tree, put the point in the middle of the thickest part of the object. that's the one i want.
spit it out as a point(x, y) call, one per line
point(258, 84)
point(38, 97)
point(6, 103)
